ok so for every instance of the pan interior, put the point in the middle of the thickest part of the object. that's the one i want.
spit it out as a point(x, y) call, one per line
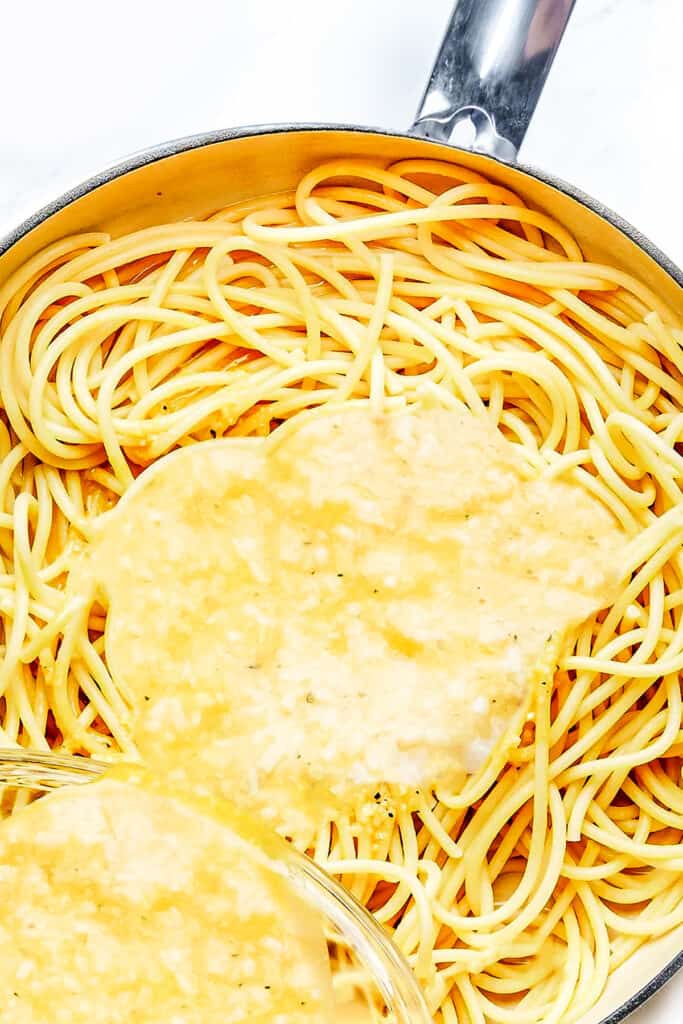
point(194, 177)
point(206, 175)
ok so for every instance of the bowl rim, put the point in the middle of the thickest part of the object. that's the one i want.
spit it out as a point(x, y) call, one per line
point(46, 771)
point(390, 971)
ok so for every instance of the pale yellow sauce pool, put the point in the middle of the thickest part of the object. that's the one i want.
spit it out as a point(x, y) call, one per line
point(126, 905)
point(367, 602)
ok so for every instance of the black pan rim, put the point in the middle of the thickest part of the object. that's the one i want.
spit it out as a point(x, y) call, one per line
point(189, 142)
point(653, 986)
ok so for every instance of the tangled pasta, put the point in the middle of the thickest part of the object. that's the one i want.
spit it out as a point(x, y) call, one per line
point(421, 282)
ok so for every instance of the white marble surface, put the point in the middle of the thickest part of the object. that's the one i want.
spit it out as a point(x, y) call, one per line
point(82, 84)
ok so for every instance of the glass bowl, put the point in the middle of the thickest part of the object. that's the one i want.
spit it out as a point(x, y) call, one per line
point(371, 962)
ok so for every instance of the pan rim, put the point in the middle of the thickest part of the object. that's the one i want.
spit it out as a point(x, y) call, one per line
point(644, 994)
point(173, 147)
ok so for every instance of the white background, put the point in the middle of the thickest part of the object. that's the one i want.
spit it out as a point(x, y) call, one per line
point(83, 83)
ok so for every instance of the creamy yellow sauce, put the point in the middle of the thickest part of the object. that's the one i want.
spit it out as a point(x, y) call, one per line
point(365, 603)
point(123, 904)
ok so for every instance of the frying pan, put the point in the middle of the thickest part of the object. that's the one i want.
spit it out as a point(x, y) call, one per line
point(483, 88)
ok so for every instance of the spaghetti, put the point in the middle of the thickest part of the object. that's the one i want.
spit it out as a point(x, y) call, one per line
point(395, 286)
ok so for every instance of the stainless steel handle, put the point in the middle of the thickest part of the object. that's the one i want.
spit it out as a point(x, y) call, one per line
point(490, 71)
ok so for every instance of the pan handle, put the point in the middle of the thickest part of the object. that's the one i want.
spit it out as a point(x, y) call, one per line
point(491, 68)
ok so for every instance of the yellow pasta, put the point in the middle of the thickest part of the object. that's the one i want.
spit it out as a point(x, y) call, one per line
point(399, 286)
